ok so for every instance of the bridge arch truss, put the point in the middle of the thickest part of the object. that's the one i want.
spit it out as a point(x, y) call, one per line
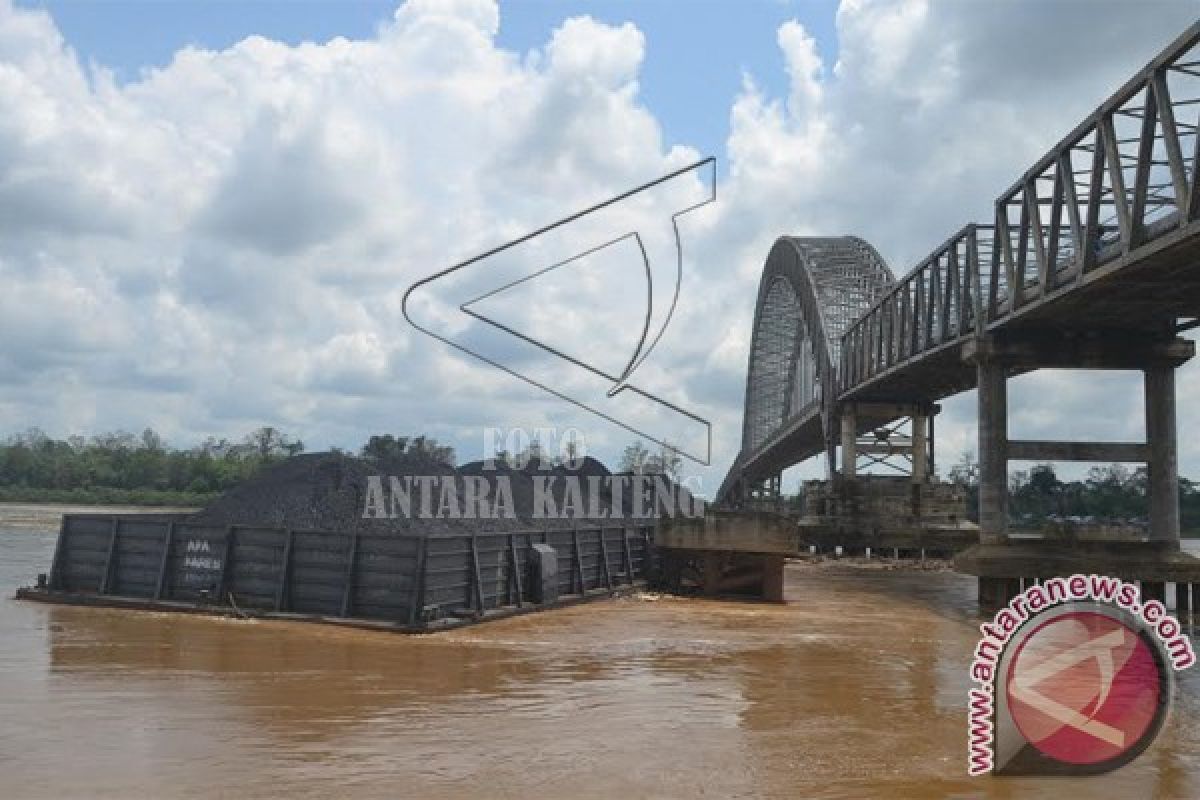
point(812, 290)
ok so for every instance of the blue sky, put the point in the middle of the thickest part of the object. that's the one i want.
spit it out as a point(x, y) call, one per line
point(696, 55)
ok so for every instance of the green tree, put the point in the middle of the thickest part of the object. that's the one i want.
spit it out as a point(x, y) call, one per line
point(426, 447)
point(640, 461)
point(385, 447)
point(270, 444)
point(634, 457)
point(382, 447)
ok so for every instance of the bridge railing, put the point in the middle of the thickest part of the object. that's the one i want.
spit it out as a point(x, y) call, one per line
point(939, 301)
point(1118, 181)
point(1127, 175)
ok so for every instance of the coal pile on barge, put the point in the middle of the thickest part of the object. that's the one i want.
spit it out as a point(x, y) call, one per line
point(317, 491)
point(332, 492)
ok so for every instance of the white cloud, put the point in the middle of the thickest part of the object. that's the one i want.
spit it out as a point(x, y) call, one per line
point(228, 236)
point(224, 241)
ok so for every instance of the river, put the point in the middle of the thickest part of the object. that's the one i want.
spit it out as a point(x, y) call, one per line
point(855, 688)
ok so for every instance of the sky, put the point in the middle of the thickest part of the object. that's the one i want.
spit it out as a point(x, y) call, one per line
point(695, 59)
point(209, 212)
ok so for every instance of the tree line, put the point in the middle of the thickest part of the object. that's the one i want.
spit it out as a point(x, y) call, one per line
point(1108, 494)
point(122, 467)
point(130, 468)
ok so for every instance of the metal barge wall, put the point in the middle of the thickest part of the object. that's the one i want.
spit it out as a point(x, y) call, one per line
point(411, 581)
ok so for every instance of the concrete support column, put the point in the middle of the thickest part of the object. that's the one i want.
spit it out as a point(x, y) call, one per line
point(991, 593)
point(712, 573)
point(995, 593)
point(772, 579)
point(993, 452)
point(1163, 466)
point(1012, 589)
point(920, 450)
point(931, 464)
point(849, 438)
point(1154, 590)
point(1183, 600)
point(831, 443)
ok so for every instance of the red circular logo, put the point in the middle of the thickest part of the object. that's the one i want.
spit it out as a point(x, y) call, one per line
point(1084, 688)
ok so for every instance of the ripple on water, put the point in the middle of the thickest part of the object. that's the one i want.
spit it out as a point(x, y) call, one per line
point(852, 689)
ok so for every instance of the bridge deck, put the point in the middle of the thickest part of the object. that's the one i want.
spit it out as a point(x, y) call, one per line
point(1140, 292)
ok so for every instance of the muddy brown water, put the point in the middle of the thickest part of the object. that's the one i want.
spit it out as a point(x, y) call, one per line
point(855, 688)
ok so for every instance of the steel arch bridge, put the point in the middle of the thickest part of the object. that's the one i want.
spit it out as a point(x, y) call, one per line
point(812, 291)
point(1092, 260)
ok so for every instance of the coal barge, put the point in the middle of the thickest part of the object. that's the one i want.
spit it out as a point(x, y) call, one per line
point(293, 543)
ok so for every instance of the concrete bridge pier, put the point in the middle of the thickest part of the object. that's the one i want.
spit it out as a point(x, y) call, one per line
point(726, 554)
point(764, 495)
point(883, 441)
point(993, 451)
point(1001, 561)
point(1163, 458)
